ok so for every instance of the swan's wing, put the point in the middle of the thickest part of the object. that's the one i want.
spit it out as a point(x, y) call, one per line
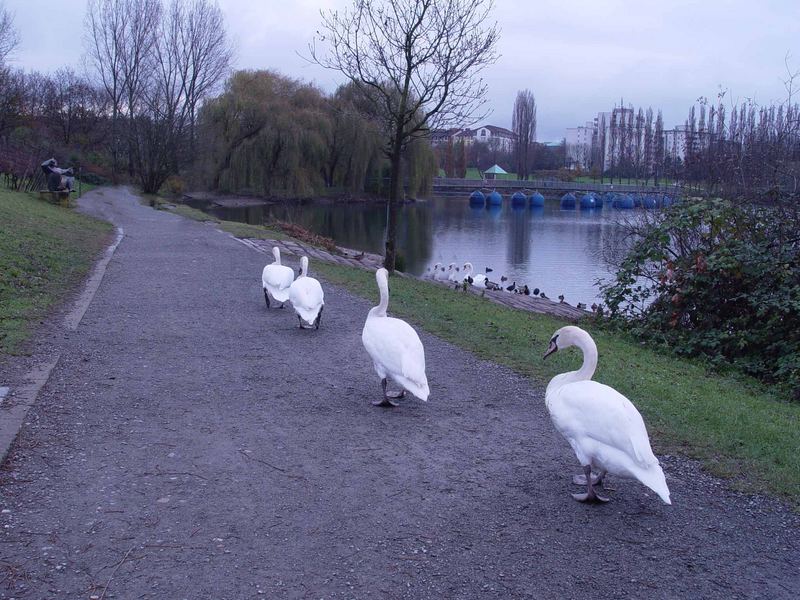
point(306, 293)
point(597, 411)
point(277, 276)
point(396, 345)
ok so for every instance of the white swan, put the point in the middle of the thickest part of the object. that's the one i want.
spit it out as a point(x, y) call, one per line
point(453, 273)
point(477, 280)
point(603, 427)
point(441, 273)
point(276, 279)
point(395, 349)
point(307, 297)
point(433, 271)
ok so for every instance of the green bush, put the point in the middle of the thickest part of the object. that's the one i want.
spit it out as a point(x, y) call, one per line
point(712, 278)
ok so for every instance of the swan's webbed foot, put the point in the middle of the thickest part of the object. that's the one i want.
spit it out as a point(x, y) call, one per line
point(300, 321)
point(385, 403)
point(388, 398)
point(591, 494)
point(590, 497)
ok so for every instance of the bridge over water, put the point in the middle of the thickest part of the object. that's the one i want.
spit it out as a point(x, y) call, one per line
point(445, 186)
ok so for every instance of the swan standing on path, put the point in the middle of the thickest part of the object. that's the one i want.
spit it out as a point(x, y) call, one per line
point(307, 297)
point(395, 349)
point(276, 279)
point(603, 427)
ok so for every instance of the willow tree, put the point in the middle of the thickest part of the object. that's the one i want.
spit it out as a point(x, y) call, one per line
point(419, 62)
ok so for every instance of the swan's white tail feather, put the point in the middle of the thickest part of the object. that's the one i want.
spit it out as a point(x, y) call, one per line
point(655, 480)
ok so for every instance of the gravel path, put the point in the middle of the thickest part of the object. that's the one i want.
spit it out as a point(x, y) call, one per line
point(192, 444)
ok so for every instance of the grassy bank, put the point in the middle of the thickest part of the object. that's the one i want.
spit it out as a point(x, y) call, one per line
point(735, 425)
point(44, 251)
point(241, 230)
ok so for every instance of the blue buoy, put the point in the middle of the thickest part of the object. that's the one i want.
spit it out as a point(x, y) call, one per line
point(567, 201)
point(609, 197)
point(477, 197)
point(495, 199)
point(518, 199)
point(623, 201)
point(666, 201)
point(588, 201)
point(536, 200)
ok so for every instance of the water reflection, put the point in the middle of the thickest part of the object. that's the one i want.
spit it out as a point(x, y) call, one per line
point(557, 251)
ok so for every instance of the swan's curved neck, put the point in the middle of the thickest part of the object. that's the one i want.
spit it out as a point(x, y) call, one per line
point(303, 268)
point(380, 310)
point(589, 349)
point(277, 254)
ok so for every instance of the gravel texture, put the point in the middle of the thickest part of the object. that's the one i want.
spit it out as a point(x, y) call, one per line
point(192, 444)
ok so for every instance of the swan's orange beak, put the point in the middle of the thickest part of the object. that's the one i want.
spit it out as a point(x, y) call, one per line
point(553, 347)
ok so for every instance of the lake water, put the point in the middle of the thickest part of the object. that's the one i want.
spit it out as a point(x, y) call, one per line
point(556, 250)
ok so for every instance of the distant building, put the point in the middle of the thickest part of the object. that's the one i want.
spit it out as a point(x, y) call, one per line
point(618, 126)
point(486, 134)
point(579, 145)
point(491, 134)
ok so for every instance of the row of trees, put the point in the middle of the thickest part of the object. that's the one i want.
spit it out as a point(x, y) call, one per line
point(156, 63)
point(412, 66)
point(718, 274)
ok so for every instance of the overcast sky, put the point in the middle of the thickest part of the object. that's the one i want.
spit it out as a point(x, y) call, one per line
point(577, 56)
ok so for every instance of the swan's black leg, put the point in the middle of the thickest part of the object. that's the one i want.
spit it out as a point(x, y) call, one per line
point(266, 296)
point(591, 494)
point(387, 401)
point(318, 322)
point(299, 320)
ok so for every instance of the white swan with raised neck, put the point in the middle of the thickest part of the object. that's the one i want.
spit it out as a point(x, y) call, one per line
point(276, 279)
point(606, 432)
point(307, 297)
point(395, 349)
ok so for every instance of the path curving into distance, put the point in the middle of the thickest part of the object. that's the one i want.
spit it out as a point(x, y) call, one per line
point(191, 444)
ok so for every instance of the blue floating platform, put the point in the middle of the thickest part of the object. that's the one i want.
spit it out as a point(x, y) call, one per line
point(518, 199)
point(568, 201)
point(536, 200)
point(588, 201)
point(495, 199)
point(477, 197)
point(623, 201)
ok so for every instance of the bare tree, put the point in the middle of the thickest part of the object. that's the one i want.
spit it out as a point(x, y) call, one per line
point(105, 25)
point(156, 66)
point(8, 34)
point(523, 123)
point(418, 61)
point(205, 56)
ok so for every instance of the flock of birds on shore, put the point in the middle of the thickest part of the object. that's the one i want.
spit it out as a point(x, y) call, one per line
point(464, 276)
point(603, 427)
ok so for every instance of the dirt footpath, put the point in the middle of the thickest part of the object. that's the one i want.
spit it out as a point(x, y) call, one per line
point(192, 444)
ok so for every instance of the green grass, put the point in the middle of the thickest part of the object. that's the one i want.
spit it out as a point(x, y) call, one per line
point(735, 425)
point(44, 251)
